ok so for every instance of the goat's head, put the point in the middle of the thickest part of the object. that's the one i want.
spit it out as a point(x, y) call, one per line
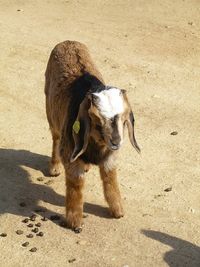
point(103, 116)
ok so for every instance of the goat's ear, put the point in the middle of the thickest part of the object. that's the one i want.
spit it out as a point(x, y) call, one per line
point(81, 130)
point(130, 124)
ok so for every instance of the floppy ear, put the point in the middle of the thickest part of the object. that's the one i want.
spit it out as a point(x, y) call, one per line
point(81, 130)
point(130, 123)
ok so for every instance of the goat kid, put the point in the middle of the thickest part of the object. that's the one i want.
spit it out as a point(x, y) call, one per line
point(87, 121)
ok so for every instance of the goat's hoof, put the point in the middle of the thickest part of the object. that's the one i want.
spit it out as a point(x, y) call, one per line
point(74, 221)
point(54, 169)
point(117, 211)
point(78, 230)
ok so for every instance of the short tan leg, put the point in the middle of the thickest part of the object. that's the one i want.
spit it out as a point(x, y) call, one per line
point(55, 163)
point(74, 195)
point(111, 191)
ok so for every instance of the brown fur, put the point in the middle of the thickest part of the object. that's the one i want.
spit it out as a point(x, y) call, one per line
point(111, 191)
point(70, 72)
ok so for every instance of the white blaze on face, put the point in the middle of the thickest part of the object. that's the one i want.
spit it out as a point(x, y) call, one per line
point(110, 102)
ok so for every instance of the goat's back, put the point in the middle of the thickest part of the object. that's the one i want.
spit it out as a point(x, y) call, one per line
point(68, 61)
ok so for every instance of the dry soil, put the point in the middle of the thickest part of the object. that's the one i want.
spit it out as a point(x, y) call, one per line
point(150, 48)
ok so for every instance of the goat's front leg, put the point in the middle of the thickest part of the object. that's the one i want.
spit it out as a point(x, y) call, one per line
point(111, 191)
point(74, 195)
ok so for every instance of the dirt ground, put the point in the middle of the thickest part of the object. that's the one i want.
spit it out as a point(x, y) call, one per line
point(151, 49)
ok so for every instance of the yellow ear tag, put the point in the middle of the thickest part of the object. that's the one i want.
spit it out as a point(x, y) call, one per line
point(76, 127)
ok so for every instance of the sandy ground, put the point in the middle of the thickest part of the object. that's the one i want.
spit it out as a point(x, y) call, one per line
point(151, 49)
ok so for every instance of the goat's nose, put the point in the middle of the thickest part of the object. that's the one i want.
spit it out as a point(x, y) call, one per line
point(114, 144)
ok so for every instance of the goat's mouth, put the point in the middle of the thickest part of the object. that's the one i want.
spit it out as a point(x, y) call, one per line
point(113, 146)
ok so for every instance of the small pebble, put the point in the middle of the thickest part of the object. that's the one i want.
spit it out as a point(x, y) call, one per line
point(22, 204)
point(157, 196)
point(49, 182)
point(78, 230)
point(33, 217)
point(44, 219)
point(19, 232)
point(168, 189)
point(25, 244)
point(3, 235)
point(54, 217)
point(38, 224)
point(192, 210)
point(33, 249)
point(35, 230)
point(81, 242)
point(174, 133)
point(20, 10)
point(191, 23)
point(40, 179)
point(25, 220)
point(40, 234)
point(30, 225)
point(29, 236)
point(71, 260)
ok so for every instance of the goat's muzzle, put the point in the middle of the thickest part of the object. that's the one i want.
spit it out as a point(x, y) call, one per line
point(114, 145)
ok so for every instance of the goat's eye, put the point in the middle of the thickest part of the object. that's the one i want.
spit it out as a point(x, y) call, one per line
point(114, 119)
point(98, 127)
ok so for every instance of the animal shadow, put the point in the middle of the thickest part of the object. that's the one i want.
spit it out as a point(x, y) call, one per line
point(183, 253)
point(97, 210)
point(16, 187)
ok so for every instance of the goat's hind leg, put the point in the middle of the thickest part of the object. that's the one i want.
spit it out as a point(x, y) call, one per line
point(55, 163)
point(111, 191)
